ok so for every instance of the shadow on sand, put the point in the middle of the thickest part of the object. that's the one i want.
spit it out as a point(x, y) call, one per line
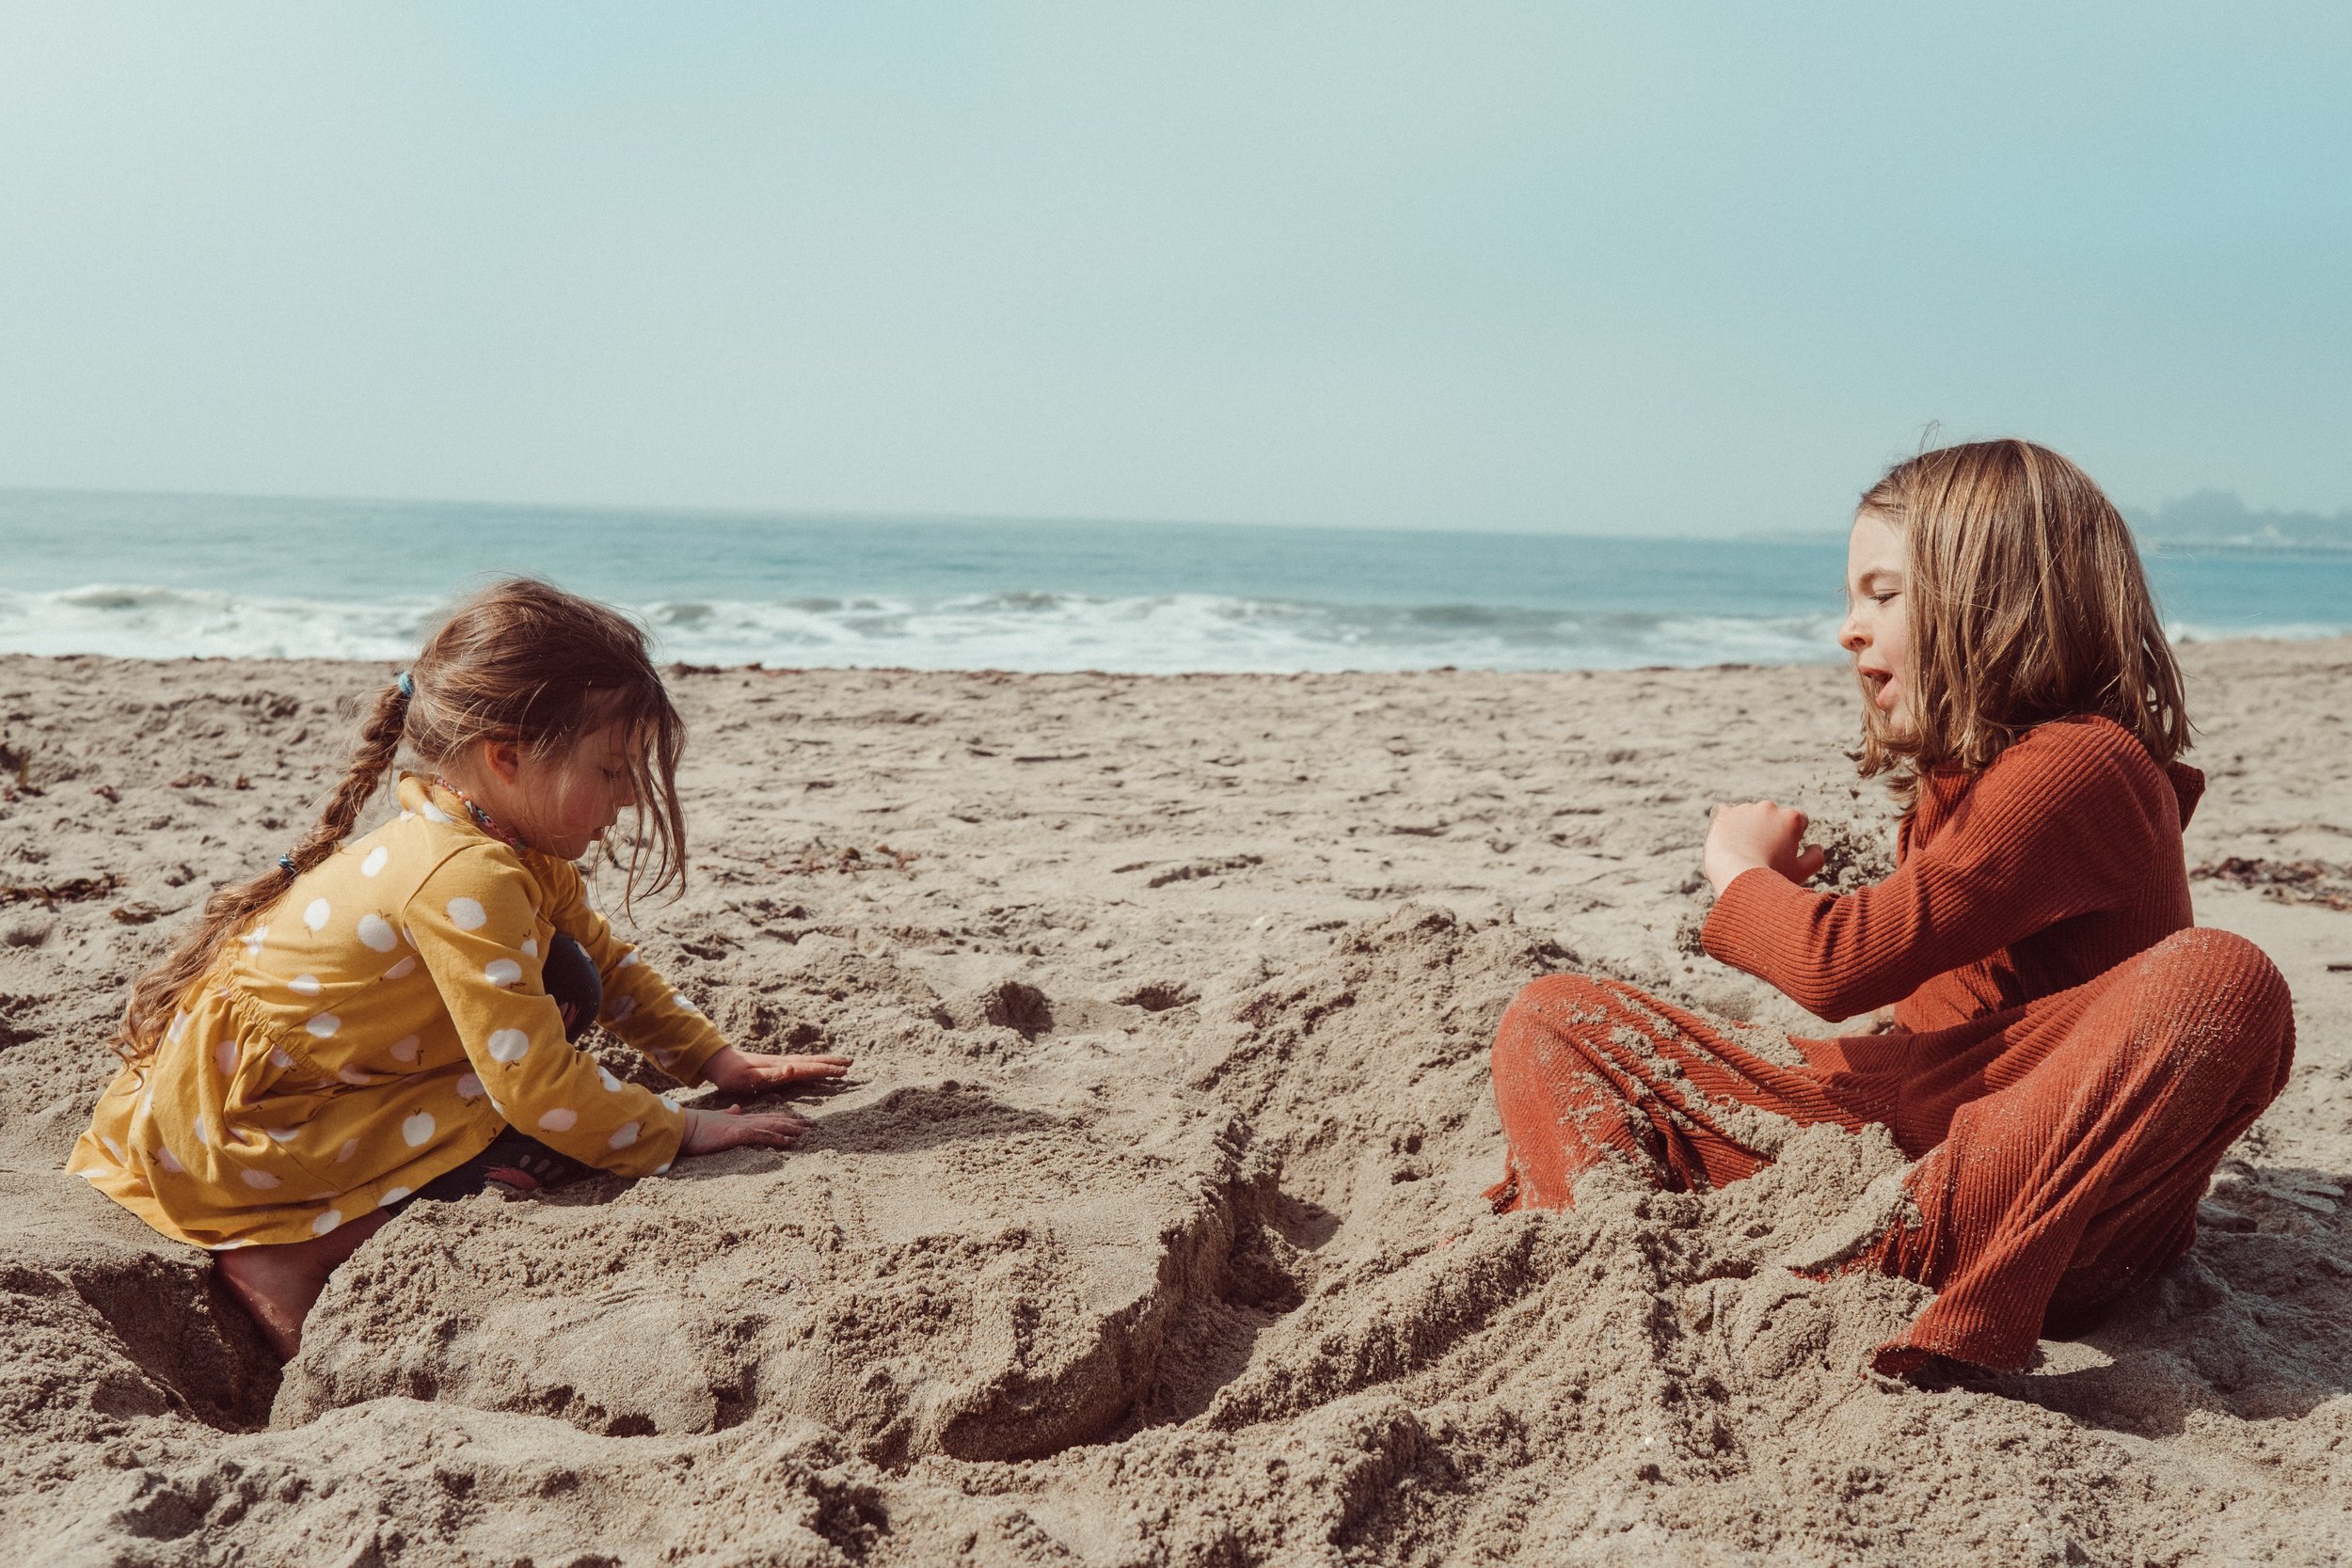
point(2253, 1323)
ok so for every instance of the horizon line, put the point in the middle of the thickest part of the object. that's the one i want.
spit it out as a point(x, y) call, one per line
point(852, 515)
point(2137, 515)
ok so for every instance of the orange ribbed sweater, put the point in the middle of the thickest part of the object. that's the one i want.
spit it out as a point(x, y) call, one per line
point(2070, 1059)
point(2056, 863)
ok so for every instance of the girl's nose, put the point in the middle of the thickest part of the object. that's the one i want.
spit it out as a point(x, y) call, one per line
point(1850, 636)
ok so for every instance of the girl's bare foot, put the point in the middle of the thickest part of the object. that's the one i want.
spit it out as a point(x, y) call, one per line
point(278, 1284)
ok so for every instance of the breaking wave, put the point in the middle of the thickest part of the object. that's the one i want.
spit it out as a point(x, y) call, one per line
point(1035, 631)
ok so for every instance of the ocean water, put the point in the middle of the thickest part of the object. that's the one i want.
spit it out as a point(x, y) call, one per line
point(177, 576)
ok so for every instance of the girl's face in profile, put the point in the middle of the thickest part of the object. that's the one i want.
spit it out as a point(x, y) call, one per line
point(562, 802)
point(593, 787)
point(1877, 630)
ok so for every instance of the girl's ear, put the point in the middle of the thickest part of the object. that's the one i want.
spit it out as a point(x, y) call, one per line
point(504, 758)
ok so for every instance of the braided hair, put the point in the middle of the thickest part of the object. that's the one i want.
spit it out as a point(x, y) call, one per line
point(520, 661)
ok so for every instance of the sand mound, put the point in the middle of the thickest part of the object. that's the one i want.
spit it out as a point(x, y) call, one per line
point(971, 1277)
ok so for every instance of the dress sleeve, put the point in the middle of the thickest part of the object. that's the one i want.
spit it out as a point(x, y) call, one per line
point(2054, 828)
point(640, 1006)
point(474, 922)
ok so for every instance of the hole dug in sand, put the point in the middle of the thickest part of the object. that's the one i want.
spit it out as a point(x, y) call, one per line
point(1007, 1295)
point(107, 1324)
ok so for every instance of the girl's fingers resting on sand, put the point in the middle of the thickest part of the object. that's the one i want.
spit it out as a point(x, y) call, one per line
point(744, 1070)
point(709, 1131)
point(797, 1068)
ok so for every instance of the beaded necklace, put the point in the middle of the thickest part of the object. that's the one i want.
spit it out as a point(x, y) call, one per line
point(483, 819)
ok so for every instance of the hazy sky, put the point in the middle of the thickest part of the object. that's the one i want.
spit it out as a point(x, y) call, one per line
point(1688, 268)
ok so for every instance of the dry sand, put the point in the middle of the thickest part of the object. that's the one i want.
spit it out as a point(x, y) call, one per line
point(1149, 1229)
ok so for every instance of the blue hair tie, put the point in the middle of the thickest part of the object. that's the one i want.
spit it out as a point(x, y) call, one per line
point(285, 864)
point(407, 684)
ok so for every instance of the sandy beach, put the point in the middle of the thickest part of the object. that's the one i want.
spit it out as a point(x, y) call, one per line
point(1148, 1229)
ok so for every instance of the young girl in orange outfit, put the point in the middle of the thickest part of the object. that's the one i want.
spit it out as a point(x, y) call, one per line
point(2069, 1058)
point(372, 1023)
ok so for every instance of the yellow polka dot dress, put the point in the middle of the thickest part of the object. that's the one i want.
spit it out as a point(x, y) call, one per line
point(381, 1026)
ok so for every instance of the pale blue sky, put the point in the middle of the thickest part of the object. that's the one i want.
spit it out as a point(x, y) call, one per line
point(1692, 268)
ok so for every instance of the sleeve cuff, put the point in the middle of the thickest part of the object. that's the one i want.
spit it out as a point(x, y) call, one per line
point(1759, 905)
point(686, 1062)
point(654, 1151)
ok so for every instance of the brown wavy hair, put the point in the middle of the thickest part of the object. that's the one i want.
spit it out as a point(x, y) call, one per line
point(2025, 602)
point(520, 661)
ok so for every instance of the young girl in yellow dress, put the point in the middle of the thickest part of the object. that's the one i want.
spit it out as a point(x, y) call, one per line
point(373, 1022)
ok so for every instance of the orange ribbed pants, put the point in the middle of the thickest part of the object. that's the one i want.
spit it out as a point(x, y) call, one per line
point(2061, 1147)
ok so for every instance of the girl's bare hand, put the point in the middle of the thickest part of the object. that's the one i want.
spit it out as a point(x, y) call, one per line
point(749, 1071)
point(709, 1131)
point(1759, 834)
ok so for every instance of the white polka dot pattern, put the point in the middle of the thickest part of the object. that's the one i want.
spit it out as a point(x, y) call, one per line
point(489, 918)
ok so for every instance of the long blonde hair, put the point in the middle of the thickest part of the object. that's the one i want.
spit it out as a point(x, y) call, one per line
point(521, 661)
point(2025, 602)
